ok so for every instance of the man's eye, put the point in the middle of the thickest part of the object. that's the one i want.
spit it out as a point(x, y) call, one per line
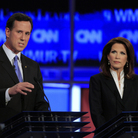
point(27, 33)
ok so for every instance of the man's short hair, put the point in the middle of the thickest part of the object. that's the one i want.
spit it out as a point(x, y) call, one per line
point(18, 17)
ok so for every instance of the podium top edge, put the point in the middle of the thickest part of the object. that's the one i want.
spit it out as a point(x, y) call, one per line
point(47, 114)
point(122, 116)
point(53, 112)
point(56, 111)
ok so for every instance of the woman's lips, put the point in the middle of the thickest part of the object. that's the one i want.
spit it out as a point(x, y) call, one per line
point(116, 62)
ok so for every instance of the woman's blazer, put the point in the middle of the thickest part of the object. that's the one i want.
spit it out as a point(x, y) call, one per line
point(105, 101)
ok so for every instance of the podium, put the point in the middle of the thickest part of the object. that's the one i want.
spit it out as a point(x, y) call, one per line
point(43, 124)
point(124, 125)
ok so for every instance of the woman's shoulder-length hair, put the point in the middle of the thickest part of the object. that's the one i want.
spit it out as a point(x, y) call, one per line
point(128, 70)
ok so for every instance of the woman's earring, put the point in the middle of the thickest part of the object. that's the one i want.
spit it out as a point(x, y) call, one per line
point(108, 62)
point(127, 64)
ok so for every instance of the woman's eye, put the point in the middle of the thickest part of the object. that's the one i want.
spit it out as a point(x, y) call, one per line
point(122, 53)
point(113, 51)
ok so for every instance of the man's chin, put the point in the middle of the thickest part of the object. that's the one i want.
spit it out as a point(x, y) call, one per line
point(20, 49)
point(17, 51)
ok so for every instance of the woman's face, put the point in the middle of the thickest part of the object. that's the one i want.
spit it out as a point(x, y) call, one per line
point(117, 57)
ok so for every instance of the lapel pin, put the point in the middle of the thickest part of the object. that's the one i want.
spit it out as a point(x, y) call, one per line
point(25, 66)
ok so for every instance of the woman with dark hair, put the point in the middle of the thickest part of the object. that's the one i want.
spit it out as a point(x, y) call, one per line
point(115, 88)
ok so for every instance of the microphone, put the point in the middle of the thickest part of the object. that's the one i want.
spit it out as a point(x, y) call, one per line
point(13, 67)
point(42, 91)
point(125, 86)
point(116, 103)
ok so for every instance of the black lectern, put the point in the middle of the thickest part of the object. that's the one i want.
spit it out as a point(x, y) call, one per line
point(125, 125)
point(41, 124)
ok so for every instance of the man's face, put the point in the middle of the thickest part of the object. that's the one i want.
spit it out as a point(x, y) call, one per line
point(18, 37)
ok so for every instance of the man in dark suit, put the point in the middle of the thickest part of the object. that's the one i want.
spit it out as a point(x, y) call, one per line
point(18, 96)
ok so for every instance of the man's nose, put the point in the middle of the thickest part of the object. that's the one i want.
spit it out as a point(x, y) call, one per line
point(23, 36)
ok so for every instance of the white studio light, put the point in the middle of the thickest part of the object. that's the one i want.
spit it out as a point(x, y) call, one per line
point(76, 99)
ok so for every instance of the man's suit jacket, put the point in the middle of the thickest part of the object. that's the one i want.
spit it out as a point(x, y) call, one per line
point(34, 101)
point(105, 101)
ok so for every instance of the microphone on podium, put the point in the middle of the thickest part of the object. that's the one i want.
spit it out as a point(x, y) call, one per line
point(42, 91)
point(14, 67)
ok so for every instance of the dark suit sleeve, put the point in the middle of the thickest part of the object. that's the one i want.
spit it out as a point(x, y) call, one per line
point(2, 98)
point(95, 102)
point(40, 104)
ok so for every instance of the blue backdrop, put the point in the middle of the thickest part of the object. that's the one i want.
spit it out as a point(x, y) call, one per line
point(49, 45)
point(50, 39)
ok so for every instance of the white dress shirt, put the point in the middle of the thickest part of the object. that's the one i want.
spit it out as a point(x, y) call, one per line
point(121, 82)
point(11, 56)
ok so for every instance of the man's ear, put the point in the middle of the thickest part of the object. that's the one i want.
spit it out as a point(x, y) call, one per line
point(7, 32)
